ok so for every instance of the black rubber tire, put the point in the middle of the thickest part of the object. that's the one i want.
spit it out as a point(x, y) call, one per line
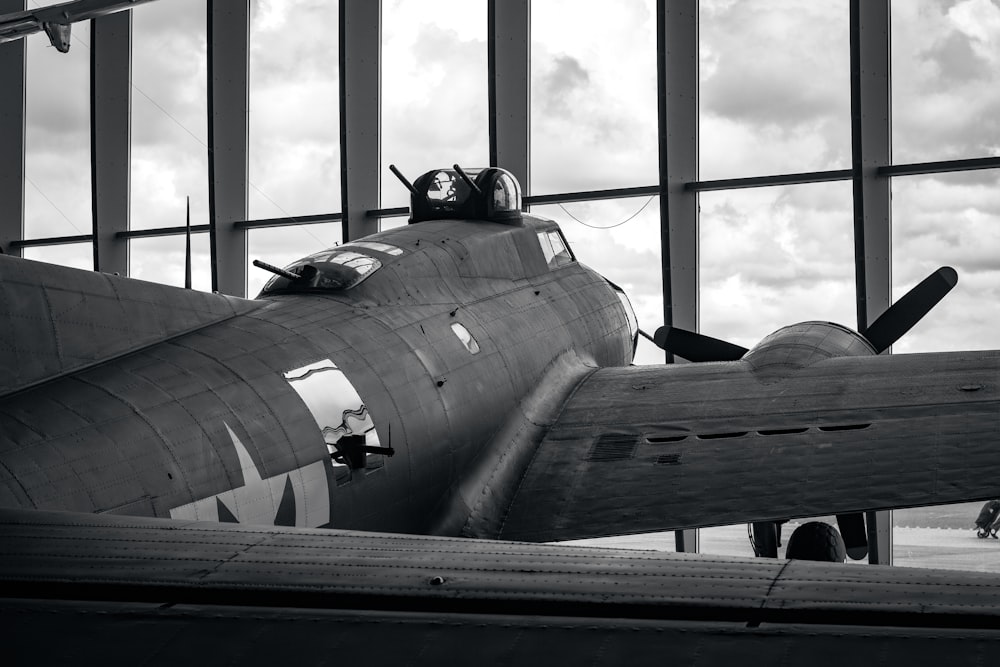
point(816, 540)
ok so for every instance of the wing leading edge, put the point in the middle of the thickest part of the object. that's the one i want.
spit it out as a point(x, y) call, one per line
point(643, 449)
point(58, 320)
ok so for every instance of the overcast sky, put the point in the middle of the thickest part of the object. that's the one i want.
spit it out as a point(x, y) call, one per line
point(774, 98)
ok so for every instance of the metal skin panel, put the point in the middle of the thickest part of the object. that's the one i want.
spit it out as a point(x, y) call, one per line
point(213, 424)
point(187, 588)
point(721, 443)
point(56, 320)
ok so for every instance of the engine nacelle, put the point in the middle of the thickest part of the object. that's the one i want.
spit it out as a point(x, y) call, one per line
point(799, 345)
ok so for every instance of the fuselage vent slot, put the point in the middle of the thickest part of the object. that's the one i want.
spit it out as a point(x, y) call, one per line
point(663, 439)
point(668, 460)
point(846, 427)
point(613, 447)
point(719, 436)
point(782, 431)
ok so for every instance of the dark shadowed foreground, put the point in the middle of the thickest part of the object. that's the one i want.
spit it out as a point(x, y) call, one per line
point(127, 590)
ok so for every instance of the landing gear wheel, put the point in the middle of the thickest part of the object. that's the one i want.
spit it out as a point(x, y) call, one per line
point(816, 540)
point(982, 534)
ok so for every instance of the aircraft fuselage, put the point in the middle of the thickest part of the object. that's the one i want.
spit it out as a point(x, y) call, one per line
point(286, 414)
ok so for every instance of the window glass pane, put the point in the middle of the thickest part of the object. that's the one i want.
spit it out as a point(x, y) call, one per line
point(546, 244)
point(392, 223)
point(620, 239)
point(77, 255)
point(593, 95)
point(775, 90)
point(161, 260)
point(771, 257)
point(169, 112)
point(954, 220)
point(943, 537)
point(947, 219)
point(561, 256)
point(945, 79)
point(646, 542)
point(281, 246)
point(57, 198)
point(380, 247)
point(294, 108)
point(434, 89)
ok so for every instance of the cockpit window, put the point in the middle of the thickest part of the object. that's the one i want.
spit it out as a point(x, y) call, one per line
point(330, 270)
point(554, 248)
point(379, 247)
point(633, 323)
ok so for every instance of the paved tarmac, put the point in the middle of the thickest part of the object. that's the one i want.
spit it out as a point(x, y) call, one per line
point(932, 537)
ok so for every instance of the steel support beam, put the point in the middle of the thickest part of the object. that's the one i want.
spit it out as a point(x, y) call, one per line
point(871, 149)
point(360, 112)
point(677, 76)
point(228, 106)
point(12, 62)
point(510, 87)
point(110, 130)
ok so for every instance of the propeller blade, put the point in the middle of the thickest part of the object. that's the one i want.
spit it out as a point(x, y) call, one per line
point(695, 346)
point(902, 315)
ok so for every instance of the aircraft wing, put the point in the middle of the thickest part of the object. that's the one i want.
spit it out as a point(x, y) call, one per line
point(90, 588)
point(58, 320)
point(650, 448)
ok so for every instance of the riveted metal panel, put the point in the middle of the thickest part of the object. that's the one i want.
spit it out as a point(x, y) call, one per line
point(828, 422)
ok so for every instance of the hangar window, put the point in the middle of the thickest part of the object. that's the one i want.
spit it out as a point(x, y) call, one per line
point(467, 339)
point(554, 248)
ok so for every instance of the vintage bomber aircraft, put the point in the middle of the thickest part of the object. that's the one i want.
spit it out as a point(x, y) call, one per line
point(465, 375)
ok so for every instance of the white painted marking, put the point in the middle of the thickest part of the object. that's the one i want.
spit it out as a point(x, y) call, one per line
point(257, 501)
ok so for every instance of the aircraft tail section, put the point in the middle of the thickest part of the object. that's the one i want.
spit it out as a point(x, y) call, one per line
point(58, 320)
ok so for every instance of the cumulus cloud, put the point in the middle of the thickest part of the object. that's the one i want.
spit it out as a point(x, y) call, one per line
point(950, 219)
point(434, 90)
point(57, 137)
point(775, 256)
point(775, 88)
point(294, 142)
point(565, 80)
point(945, 80)
point(593, 91)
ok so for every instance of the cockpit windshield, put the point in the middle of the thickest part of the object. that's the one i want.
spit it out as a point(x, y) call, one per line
point(331, 270)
